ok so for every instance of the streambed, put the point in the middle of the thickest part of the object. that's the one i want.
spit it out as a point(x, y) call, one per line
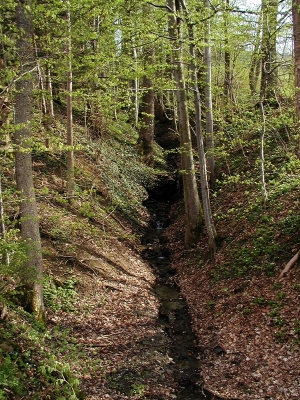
point(173, 315)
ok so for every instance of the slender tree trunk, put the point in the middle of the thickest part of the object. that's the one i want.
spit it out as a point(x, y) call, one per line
point(296, 33)
point(268, 65)
point(49, 95)
point(193, 210)
point(24, 176)
point(227, 72)
point(255, 66)
point(136, 89)
point(208, 104)
point(70, 151)
point(211, 231)
point(146, 130)
point(40, 80)
point(146, 112)
point(5, 256)
point(264, 192)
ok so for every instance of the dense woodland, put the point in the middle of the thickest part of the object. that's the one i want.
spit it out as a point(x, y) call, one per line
point(104, 104)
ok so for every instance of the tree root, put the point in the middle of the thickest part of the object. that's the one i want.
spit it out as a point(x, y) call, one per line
point(289, 265)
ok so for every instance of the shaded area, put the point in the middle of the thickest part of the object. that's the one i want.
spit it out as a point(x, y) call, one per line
point(173, 315)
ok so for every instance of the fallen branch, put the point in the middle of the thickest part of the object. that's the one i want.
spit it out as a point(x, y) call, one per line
point(218, 395)
point(289, 265)
point(112, 286)
point(78, 262)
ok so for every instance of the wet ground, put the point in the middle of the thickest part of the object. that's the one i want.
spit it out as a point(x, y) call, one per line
point(173, 315)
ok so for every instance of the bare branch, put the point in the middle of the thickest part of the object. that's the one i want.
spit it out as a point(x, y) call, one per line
point(289, 265)
point(158, 6)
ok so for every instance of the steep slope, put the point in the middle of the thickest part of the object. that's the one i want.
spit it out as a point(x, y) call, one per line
point(245, 317)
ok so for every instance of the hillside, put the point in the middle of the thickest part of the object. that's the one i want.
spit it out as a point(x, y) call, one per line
point(104, 337)
point(108, 333)
point(247, 319)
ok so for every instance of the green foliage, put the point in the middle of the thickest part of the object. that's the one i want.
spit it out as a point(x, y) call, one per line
point(60, 295)
point(86, 210)
point(11, 376)
point(13, 253)
point(137, 389)
point(125, 177)
point(27, 366)
point(62, 383)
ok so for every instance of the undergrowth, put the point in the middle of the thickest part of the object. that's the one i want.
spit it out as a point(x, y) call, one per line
point(257, 236)
point(28, 370)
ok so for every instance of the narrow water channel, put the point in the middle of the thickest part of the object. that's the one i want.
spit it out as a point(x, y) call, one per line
point(173, 315)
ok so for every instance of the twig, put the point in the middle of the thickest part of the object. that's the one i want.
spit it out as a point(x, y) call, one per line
point(79, 262)
point(219, 395)
point(112, 286)
point(158, 6)
point(6, 89)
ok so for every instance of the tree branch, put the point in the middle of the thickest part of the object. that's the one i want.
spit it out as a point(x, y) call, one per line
point(289, 265)
point(158, 6)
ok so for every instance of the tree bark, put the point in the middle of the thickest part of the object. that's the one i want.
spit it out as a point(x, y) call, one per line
point(264, 192)
point(32, 274)
point(208, 104)
point(268, 49)
point(146, 130)
point(193, 210)
point(211, 231)
point(70, 150)
point(227, 72)
point(146, 112)
point(296, 33)
point(136, 88)
point(255, 66)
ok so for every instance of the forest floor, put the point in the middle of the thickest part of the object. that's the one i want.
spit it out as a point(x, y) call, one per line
point(247, 327)
point(102, 309)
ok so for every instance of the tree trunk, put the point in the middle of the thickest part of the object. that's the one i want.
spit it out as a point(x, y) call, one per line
point(146, 112)
point(49, 95)
point(255, 66)
point(268, 63)
point(136, 89)
point(146, 130)
point(227, 72)
point(193, 210)
point(208, 104)
point(264, 192)
point(5, 255)
point(70, 150)
point(211, 231)
point(296, 33)
point(32, 274)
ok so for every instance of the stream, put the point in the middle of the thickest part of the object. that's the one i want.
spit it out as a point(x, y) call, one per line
point(173, 315)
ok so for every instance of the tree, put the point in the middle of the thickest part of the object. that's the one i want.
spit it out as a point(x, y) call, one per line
point(146, 107)
point(32, 274)
point(211, 231)
point(296, 33)
point(70, 150)
point(208, 101)
point(255, 65)
point(268, 50)
point(193, 210)
point(146, 111)
point(227, 57)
